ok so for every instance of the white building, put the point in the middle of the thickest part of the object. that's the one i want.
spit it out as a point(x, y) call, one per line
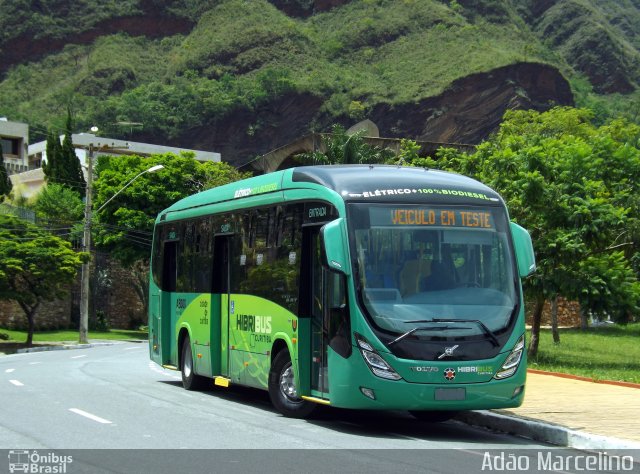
point(29, 180)
point(14, 137)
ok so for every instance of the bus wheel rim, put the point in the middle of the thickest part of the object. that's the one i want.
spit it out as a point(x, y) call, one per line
point(287, 384)
point(187, 366)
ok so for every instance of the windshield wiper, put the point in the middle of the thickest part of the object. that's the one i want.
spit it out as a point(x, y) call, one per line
point(398, 339)
point(485, 329)
point(411, 331)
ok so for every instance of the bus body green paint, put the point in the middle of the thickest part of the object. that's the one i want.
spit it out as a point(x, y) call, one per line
point(246, 270)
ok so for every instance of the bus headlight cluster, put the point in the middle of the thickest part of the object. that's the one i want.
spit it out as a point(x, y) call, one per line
point(374, 361)
point(511, 364)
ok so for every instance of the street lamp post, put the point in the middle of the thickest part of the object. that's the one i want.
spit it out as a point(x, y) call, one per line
point(153, 169)
point(84, 288)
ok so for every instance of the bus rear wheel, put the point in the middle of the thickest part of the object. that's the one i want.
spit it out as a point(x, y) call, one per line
point(433, 416)
point(283, 391)
point(190, 381)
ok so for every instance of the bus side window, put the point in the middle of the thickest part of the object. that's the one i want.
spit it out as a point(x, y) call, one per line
point(169, 266)
point(339, 324)
point(158, 250)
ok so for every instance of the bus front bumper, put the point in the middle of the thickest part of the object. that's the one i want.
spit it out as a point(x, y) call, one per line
point(353, 385)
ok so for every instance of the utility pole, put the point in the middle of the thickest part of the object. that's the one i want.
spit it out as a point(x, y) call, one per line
point(86, 241)
point(86, 247)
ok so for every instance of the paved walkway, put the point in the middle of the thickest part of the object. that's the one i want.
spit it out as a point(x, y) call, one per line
point(601, 409)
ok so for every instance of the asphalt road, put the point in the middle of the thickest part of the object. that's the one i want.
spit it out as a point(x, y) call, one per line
point(113, 399)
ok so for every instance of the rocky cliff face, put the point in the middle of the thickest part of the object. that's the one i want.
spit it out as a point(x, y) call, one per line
point(25, 48)
point(246, 134)
point(467, 112)
point(305, 8)
point(473, 106)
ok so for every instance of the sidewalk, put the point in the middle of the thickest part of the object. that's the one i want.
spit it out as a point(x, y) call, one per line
point(569, 412)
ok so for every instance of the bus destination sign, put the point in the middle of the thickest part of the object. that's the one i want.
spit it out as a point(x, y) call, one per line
point(431, 216)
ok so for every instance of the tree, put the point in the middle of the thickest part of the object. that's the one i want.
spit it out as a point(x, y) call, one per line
point(409, 152)
point(338, 147)
point(72, 174)
point(5, 182)
point(136, 208)
point(62, 208)
point(52, 165)
point(35, 266)
point(569, 183)
point(63, 166)
point(124, 227)
point(72, 167)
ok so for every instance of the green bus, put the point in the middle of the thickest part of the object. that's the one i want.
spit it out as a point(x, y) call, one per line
point(355, 286)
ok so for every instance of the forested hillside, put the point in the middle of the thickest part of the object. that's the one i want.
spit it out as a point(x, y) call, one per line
point(245, 76)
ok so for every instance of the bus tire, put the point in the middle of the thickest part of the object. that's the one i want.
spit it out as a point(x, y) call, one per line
point(190, 380)
point(282, 389)
point(433, 416)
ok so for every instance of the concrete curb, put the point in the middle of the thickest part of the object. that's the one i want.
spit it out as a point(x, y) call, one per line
point(544, 432)
point(64, 347)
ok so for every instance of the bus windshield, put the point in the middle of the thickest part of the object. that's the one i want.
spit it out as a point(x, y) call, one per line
point(434, 270)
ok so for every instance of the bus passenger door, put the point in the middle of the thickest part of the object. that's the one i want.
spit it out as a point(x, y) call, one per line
point(166, 330)
point(220, 306)
point(319, 318)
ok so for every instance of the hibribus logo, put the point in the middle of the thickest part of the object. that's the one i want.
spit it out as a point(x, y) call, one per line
point(251, 323)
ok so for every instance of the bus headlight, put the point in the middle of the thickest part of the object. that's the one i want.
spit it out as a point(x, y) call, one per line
point(511, 364)
point(374, 361)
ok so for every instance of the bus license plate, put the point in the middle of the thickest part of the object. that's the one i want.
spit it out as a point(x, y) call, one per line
point(447, 394)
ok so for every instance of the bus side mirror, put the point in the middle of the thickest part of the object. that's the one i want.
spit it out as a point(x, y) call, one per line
point(333, 237)
point(524, 250)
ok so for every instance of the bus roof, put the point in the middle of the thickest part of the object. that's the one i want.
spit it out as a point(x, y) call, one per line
point(395, 183)
point(364, 183)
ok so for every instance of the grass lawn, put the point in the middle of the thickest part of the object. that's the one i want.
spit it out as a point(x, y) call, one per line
point(609, 352)
point(17, 338)
point(604, 353)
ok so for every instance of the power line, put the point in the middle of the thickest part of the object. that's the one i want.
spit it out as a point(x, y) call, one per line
point(130, 234)
point(145, 244)
point(70, 224)
point(137, 236)
point(47, 229)
point(139, 241)
point(84, 185)
point(128, 229)
point(40, 237)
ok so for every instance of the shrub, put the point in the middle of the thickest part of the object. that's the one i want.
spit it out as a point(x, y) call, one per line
point(101, 323)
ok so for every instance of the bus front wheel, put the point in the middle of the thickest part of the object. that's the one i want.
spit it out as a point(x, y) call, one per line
point(283, 391)
point(190, 380)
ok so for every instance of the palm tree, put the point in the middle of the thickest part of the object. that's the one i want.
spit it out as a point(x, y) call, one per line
point(341, 148)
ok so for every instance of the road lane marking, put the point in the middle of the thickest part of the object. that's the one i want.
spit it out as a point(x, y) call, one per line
point(79, 357)
point(8, 371)
point(77, 411)
point(17, 383)
point(133, 348)
point(34, 363)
